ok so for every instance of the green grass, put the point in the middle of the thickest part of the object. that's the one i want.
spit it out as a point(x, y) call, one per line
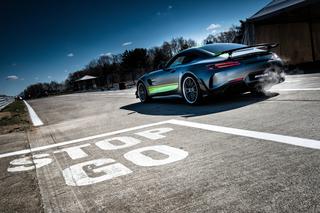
point(14, 118)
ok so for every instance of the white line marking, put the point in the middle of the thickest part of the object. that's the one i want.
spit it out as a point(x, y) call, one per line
point(291, 81)
point(34, 117)
point(302, 77)
point(308, 143)
point(301, 89)
point(26, 151)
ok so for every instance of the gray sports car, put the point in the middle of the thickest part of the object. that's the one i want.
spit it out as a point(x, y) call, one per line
point(211, 69)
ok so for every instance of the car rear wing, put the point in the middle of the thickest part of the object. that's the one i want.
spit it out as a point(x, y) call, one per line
point(267, 46)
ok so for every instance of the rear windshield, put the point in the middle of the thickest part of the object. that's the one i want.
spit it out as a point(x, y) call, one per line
point(217, 48)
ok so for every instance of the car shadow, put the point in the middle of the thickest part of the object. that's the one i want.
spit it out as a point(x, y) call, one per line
point(169, 106)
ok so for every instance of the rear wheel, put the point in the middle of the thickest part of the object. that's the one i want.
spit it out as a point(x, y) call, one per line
point(142, 93)
point(191, 90)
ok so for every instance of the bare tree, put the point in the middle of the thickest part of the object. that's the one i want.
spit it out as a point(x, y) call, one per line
point(115, 68)
point(228, 36)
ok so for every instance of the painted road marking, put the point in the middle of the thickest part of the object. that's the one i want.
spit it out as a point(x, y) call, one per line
point(137, 157)
point(303, 77)
point(126, 142)
point(298, 89)
point(33, 115)
point(26, 151)
point(75, 175)
point(107, 168)
point(303, 142)
point(308, 143)
point(29, 163)
point(80, 174)
point(291, 81)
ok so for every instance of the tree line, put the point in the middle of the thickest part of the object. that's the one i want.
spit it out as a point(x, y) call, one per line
point(127, 66)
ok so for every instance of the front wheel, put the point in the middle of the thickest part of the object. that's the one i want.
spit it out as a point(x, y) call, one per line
point(142, 93)
point(191, 91)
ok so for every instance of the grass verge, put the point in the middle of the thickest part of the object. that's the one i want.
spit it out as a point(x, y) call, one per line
point(14, 118)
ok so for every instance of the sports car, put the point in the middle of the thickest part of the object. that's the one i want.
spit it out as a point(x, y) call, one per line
point(214, 69)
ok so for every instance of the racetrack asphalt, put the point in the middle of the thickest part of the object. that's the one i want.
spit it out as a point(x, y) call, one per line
point(106, 152)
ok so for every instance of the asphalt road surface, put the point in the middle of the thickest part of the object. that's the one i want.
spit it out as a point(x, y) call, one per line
point(106, 152)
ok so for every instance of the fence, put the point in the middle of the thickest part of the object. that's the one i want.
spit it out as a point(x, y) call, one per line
point(5, 101)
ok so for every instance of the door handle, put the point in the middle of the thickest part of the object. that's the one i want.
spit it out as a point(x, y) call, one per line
point(172, 70)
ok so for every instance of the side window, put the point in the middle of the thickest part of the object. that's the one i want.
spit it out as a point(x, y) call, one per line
point(186, 57)
point(178, 61)
point(194, 56)
point(190, 58)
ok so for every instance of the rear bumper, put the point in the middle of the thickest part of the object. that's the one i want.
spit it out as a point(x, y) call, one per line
point(265, 78)
point(244, 80)
point(231, 87)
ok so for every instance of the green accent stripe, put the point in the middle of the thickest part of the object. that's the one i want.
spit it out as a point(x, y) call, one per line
point(162, 88)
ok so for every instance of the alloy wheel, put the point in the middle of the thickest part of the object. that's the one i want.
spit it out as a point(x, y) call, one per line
point(190, 90)
point(142, 93)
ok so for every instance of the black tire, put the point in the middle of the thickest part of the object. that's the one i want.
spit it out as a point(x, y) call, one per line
point(142, 93)
point(191, 90)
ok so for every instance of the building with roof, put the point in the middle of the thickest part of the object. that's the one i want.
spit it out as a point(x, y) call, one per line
point(87, 82)
point(294, 24)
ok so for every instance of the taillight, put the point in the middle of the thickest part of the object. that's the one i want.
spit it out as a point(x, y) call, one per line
point(223, 65)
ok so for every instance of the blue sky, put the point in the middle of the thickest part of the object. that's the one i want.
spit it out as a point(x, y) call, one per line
point(44, 40)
